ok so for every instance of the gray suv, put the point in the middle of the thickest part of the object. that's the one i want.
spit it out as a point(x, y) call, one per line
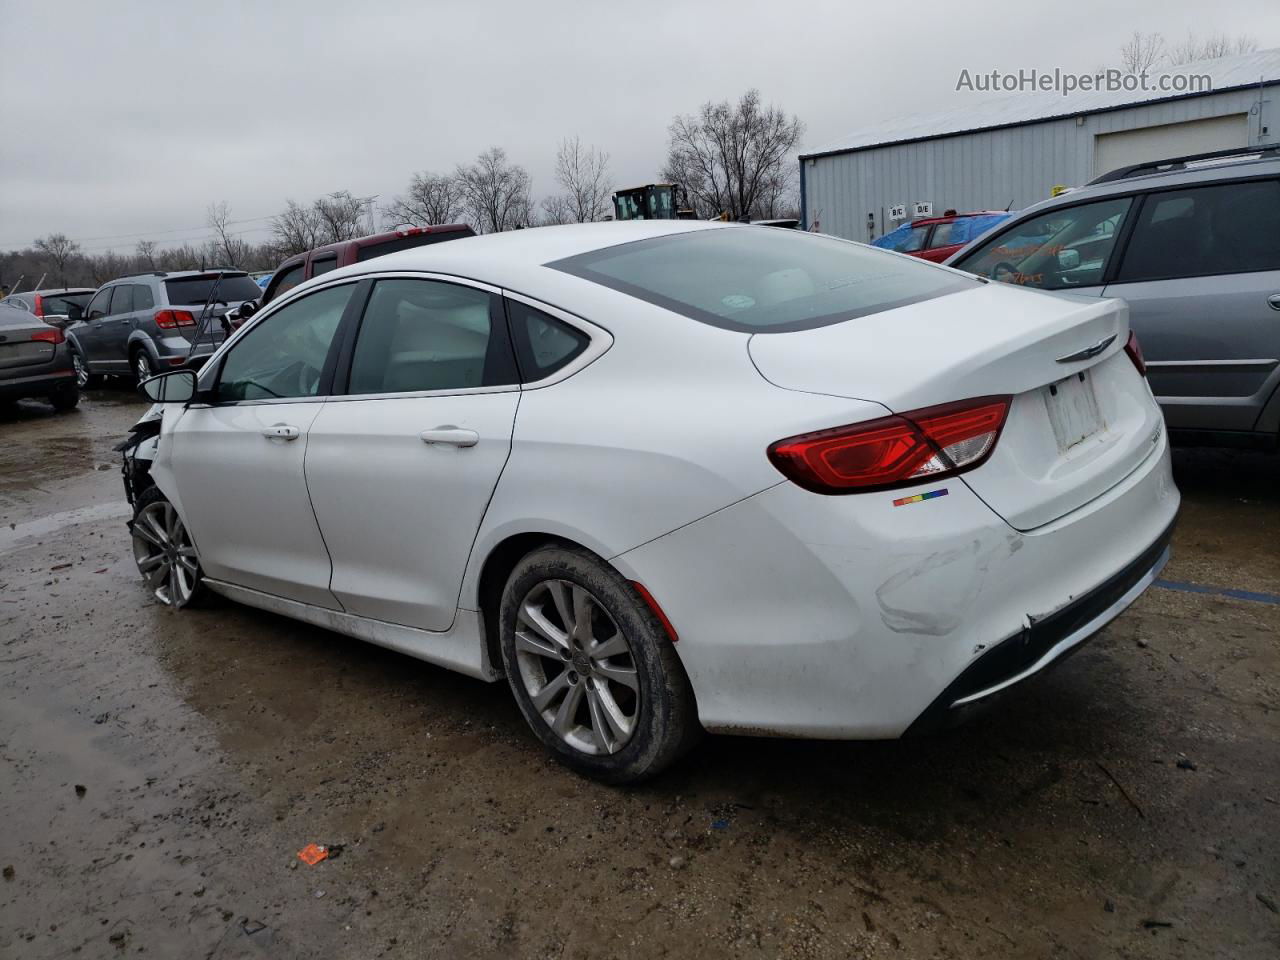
point(145, 324)
point(1193, 245)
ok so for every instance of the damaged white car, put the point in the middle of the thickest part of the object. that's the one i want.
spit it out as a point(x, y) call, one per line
point(670, 476)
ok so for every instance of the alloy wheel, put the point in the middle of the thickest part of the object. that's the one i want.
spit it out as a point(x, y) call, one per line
point(142, 365)
point(164, 553)
point(577, 667)
point(82, 371)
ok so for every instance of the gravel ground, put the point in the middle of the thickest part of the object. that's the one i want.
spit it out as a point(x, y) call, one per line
point(160, 771)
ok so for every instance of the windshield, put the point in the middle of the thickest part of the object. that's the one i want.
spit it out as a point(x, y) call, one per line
point(758, 279)
point(195, 290)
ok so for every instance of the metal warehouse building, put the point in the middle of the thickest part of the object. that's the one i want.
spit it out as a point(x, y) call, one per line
point(1012, 151)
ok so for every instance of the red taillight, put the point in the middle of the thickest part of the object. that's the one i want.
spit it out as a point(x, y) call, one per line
point(1134, 349)
point(52, 335)
point(169, 319)
point(39, 311)
point(898, 451)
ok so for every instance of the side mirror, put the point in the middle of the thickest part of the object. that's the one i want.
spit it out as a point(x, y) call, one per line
point(177, 386)
point(75, 313)
point(242, 313)
point(1068, 259)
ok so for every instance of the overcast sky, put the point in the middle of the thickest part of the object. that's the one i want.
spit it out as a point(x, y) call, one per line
point(128, 118)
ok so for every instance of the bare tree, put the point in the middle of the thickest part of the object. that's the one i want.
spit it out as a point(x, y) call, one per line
point(107, 266)
point(556, 209)
point(1141, 52)
point(432, 199)
point(728, 155)
point(295, 230)
point(495, 193)
point(1210, 48)
point(583, 172)
point(145, 251)
point(59, 248)
point(341, 216)
point(225, 249)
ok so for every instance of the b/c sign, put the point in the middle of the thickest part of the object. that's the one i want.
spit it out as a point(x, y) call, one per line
point(898, 211)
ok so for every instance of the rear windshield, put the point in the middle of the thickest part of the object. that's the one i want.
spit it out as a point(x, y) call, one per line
point(192, 290)
point(60, 304)
point(396, 244)
point(761, 280)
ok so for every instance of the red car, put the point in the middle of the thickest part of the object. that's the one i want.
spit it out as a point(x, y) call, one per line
point(304, 266)
point(936, 238)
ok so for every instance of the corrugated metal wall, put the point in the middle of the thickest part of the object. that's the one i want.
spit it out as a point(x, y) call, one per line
point(991, 170)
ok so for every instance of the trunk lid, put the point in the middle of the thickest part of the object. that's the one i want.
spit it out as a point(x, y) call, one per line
point(1075, 429)
point(17, 349)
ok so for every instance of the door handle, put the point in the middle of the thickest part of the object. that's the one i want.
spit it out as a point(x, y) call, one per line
point(1274, 301)
point(451, 436)
point(281, 431)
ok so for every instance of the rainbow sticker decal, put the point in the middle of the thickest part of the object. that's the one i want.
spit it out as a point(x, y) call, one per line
point(931, 495)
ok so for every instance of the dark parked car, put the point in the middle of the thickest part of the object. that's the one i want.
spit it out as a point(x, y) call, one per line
point(151, 322)
point(35, 360)
point(52, 306)
point(936, 238)
point(304, 266)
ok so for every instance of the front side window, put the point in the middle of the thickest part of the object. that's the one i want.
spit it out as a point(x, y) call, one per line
point(284, 354)
point(323, 265)
point(285, 281)
point(99, 304)
point(762, 280)
point(420, 335)
point(122, 299)
point(1232, 228)
point(1058, 249)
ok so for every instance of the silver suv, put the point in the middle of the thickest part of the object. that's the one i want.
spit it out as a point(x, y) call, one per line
point(145, 324)
point(1193, 245)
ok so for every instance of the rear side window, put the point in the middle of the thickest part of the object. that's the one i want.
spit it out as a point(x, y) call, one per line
point(1231, 228)
point(1058, 249)
point(761, 280)
point(419, 335)
point(142, 298)
point(543, 343)
point(122, 299)
point(232, 288)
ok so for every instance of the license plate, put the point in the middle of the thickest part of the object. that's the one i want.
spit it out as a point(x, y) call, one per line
point(1073, 410)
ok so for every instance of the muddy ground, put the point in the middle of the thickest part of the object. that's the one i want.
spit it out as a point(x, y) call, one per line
point(160, 771)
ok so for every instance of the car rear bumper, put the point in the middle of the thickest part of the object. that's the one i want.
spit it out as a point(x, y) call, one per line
point(1045, 641)
point(854, 618)
point(36, 385)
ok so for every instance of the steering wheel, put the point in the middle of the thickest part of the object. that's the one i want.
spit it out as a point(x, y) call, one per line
point(1004, 266)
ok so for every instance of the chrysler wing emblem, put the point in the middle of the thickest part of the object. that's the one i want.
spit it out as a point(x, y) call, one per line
point(1087, 352)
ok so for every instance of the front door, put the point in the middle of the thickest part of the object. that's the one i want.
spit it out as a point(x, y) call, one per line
point(238, 461)
point(401, 469)
point(1201, 274)
point(89, 333)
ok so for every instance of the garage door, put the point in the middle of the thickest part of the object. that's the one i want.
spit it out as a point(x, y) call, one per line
point(1123, 149)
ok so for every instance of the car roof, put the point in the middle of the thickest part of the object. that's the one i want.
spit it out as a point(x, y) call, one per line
point(925, 221)
point(53, 291)
point(477, 257)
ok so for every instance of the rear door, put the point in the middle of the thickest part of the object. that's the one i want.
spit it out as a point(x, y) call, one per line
point(119, 324)
point(1201, 273)
point(401, 468)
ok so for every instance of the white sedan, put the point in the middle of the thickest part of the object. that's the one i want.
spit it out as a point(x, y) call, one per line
point(671, 476)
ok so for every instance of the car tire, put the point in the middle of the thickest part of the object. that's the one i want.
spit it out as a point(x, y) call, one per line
point(609, 699)
point(164, 552)
point(65, 399)
point(141, 365)
point(84, 379)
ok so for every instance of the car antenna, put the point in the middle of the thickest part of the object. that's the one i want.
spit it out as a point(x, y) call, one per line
point(1009, 207)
